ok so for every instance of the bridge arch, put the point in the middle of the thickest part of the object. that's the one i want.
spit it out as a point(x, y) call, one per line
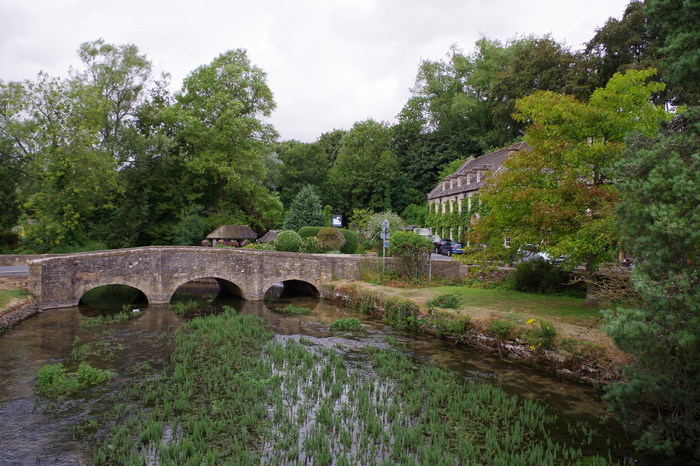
point(81, 290)
point(112, 293)
point(294, 285)
point(226, 286)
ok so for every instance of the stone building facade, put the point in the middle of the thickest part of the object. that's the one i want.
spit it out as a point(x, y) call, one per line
point(457, 193)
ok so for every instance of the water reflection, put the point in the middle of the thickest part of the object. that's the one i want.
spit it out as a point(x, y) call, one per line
point(37, 429)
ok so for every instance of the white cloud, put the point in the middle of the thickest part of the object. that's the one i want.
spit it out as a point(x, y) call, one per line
point(330, 63)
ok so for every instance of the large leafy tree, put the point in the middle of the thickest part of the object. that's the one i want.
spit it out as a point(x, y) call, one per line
point(659, 184)
point(223, 138)
point(620, 45)
point(676, 24)
point(302, 164)
point(560, 194)
point(361, 175)
point(537, 64)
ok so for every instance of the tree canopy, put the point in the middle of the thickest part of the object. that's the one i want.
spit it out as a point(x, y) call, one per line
point(560, 194)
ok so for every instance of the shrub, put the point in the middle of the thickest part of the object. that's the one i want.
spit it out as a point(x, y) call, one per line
point(540, 334)
point(401, 314)
point(288, 241)
point(502, 329)
point(330, 239)
point(537, 276)
point(351, 241)
point(446, 301)
point(351, 238)
point(410, 251)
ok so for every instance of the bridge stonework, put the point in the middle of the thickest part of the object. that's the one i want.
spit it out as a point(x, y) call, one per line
point(61, 281)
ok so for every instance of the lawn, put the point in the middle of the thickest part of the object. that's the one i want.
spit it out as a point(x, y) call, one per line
point(8, 295)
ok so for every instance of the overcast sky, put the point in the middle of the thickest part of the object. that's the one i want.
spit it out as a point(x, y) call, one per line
point(329, 63)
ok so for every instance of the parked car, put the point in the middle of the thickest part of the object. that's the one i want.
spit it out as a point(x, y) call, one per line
point(440, 244)
point(530, 253)
point(452, 247)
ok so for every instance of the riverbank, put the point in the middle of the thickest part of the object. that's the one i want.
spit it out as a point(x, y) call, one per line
point(580, 351)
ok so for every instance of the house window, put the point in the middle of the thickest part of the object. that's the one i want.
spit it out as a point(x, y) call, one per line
point(506, 241)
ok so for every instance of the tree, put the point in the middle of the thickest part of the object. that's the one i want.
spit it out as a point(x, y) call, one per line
point(560, 194)
point(302, 164)
point(306, 210)
point(538, 64)
point(621, 45)
point(222, 136)
point(659, 184)
point(118, 76)
point(360, 176)
point(676, 24)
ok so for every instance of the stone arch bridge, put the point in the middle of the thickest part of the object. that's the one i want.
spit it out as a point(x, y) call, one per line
point(61, 281)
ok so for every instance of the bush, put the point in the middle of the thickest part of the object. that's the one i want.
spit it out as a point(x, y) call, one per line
point(351, 238)
point(330, 239)
point(537, 276)
point(445, 301)
point(502, 329)
point(540, 334)
point(410, 251)
point(351, 241)
point(288, 241)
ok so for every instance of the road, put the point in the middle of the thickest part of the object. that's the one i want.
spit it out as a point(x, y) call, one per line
point(14, 270)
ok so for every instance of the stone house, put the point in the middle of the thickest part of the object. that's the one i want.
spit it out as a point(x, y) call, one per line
point(457, 193)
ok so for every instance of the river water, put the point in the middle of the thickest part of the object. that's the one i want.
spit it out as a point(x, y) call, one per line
point(39, 430)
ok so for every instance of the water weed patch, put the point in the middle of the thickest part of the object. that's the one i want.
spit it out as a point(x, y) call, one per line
point(232, 394)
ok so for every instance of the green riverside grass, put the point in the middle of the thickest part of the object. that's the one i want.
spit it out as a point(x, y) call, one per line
point(291, 310)
point(234, 394)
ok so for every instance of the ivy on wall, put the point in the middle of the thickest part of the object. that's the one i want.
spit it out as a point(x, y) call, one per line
point(449, 223)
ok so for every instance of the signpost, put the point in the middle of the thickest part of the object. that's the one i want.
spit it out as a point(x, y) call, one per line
point(385, 241)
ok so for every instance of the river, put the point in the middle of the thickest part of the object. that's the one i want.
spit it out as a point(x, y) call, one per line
point(39, 430)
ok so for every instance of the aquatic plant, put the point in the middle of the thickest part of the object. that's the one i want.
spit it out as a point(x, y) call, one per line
point(346, 323)
point(53, 380)
point(291, 310)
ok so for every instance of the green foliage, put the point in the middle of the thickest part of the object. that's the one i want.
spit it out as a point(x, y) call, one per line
point(288, 240)
point(302, 165)
point(291, 310)
point(660, 186)
point(414, 214)
point(351, 241)
point(536, 276)
point(330, 239)
point(561, 192)
point(676, 24)
point(401, 313)
point(539, 334)
point(306, 209)
point(502, 329)
point(445, 301)
point(53, 380)
point(346, 324)
point(410, 252)
point(361, 174)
